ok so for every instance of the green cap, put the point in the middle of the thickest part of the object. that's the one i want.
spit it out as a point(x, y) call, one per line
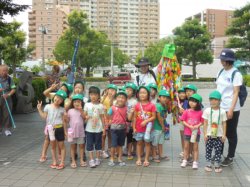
point(153, 85)
point(181, 90)
point(112, 86)
point(61, 94)
point(77, 97)
point(68, 86)
point(164, 93)
point(191, 87)
point(215, 95)
point(168, 51)
point(123, 88)
point(197, 97)
point(146, 87)
point(122, 93)
point(131, 85)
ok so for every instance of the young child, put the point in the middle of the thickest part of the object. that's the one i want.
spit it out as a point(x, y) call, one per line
point(153, 92)
point(181, 99)
point(76, 123)
point(53, 113)
point(131, 89)
point(214, 131)
point(190, 89)
point(94, 114)
point(144, 116)
point(192, 120)
point(118, 115)
point(107, 101)
point(159, 127)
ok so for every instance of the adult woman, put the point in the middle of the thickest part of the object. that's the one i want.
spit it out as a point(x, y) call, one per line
point(54, 78)
point(229, 88)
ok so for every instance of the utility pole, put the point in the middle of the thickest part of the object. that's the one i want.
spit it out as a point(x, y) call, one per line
point(112, 35)
point(43, 30)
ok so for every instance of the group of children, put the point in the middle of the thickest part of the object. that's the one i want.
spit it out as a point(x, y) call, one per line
point(133, 114)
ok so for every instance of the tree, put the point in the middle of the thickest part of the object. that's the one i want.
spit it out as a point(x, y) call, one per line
point(193, 41)
point(239, 32)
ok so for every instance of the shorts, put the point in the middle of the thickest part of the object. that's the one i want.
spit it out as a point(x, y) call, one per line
point(59, 134)
point(130, 138)
point(94, 141)
point(188, 137)
point(78, 141)
point(140, 136)
point(157, 137)
point(118, 137)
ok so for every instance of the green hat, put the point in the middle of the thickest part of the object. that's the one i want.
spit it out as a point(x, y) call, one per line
point(164, 93)
point(79, 82)
point(181, 90)
point(191, 87)
point(77, 97)
point(146, 87)
point(168, 51)
point(131, 85)
point(68, 86)
point(122, 93)
point(197, 97)
point(123, 88)
point(215, 95)
point(61, 94)
point(112, 86)
point(153, 85)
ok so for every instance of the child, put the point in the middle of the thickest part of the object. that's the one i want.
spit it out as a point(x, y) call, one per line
point(159, 127)
point(131, 89)
point(118, 115)
point(94, 114)
point(181, 100)
point(144, 116)
point(192, 120)
point(190, 89)
point(53, 113)
point(107, 101)
point(75, 118)
point(153, 93)
point(214, 130)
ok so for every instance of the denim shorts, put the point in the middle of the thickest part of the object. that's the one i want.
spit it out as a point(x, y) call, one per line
point(94, 141)
point(140, 136)
point(188, 137)
point(157, 137)
point(118, 137)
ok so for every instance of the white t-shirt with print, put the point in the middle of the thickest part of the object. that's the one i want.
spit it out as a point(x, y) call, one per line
point(54, 115)
point(215, 118)
point(131, 103)
point(145, 79)
point(94, 123)
point(225, 86)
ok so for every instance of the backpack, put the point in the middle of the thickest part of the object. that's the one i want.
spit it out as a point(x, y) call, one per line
point(151, 72)
point(243, 90)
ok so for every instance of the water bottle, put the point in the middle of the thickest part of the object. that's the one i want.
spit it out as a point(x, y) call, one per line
point(70, 135)
point(166, 134)
point(194, 136)
point(51, 132)
point(148, 131)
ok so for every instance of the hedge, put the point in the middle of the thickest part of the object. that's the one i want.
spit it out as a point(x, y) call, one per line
point(204, 79)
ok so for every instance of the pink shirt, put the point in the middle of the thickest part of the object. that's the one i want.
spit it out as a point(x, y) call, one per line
point(193, 118)
point(148, 109)
point(76, 122)
point(119, 115)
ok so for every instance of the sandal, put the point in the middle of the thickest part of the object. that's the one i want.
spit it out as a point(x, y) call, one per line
point(156, 160)
point(166, 158)
point(83, 164)
point(130, 157)
point(42, 159)
point(60, 166)
point(217, 169)
point(138, 163)
point(208, 168)
point(73, 165)
point(146, 164)
point(53, 166)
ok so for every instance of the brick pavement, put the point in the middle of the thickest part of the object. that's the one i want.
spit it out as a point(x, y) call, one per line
point(19, 164)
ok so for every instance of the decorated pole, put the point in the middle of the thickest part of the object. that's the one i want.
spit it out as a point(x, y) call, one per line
point(73, 62)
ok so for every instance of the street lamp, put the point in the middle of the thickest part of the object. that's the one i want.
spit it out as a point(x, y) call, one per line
point(44, 31)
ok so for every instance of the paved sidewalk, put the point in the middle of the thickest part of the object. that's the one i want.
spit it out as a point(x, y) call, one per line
point(19, 164)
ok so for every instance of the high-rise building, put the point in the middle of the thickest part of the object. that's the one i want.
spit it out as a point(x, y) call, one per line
point(130, 24)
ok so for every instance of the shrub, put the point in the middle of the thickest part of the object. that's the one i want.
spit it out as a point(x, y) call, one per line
point(204, 79)
point(39, 85)
point(96, 79)
point(247, 80)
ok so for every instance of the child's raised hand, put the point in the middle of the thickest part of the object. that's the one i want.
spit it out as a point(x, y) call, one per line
point(39, 105)
point(54, 86)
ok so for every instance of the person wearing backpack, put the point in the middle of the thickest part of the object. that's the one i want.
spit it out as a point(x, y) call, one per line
point(229, 81)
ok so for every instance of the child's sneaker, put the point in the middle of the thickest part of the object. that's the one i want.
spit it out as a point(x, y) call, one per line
point(105, 154)
point(92, 164)
point(122, 163)
point(97, 162)
point(111, 163)
point(195, 165)
point(184, 163)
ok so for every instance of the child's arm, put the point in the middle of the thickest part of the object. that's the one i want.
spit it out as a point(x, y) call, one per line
point(187, 125)
point(102, 119)
point(130, 114)
point(65, 127)
point(134, 122)
point(39, 108)
point(205, 129)
point(161, 120)
point(151, 119)
point(224, 123)
point(47, 92)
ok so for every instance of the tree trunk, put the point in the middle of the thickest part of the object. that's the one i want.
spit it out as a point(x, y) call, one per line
point(194, 69)
point(87, 71)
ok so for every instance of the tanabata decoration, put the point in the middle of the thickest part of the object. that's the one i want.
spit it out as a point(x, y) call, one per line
point(169, 77)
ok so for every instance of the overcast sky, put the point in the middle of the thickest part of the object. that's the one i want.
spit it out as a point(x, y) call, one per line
point(172, 12)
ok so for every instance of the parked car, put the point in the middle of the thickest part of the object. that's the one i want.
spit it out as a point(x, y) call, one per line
point(121, 78)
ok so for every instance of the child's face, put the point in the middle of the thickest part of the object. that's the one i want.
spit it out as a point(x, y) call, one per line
point(130, 92)
point(192, 104)
point(121, 100)
point(164, 100)
point(58, 100)
point(94, 97)
point(153, 92)
point(77, 103)
point(78, 89)
point(111, 92)
point(143, 94)
point(182, 95)
point(214, 103)
point(189, 93)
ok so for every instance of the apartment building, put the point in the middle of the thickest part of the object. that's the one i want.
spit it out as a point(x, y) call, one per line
point(130, 24)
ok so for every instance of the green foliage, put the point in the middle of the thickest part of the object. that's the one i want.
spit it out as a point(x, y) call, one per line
point(96, 79)
point(239, 32)
point(203, 79)
point(39, 85)
point(247, 80)
point(36, 69)
point(193, 41)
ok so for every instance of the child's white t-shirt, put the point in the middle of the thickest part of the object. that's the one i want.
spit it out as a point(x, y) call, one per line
point(94, 123)
point(225, 86)
point(54, 115)
point(131, 103)
point(215, 117)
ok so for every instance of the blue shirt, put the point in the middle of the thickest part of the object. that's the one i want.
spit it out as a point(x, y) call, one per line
point(70, 78)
